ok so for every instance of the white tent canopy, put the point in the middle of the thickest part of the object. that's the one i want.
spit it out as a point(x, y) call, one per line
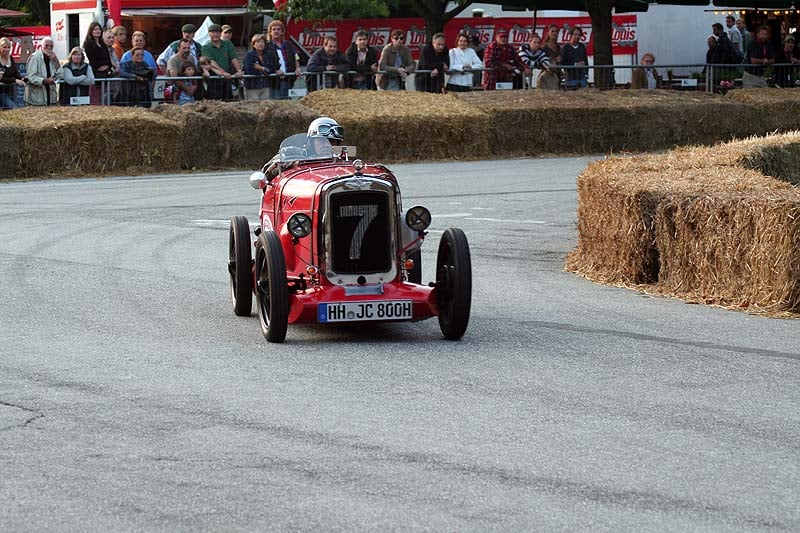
point(201, 35)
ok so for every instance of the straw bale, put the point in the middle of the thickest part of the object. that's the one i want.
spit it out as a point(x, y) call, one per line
point(71, 141)
point(616, 234)
point(701, 223)
point(538, 122)
point(764, 96)
point(9, 147)
point(235, 134)
point(775, 110)
point(777, 156)
point(739, 250)
point(407, 125)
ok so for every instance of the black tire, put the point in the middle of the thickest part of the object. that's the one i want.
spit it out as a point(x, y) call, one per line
point(453, 283)
point(415, 274)
point(272, 290)
point(240, 266)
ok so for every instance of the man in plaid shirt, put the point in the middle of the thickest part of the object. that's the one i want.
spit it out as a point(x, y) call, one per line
point(503, 61)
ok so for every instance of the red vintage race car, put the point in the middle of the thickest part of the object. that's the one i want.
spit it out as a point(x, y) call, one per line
point(334, 246)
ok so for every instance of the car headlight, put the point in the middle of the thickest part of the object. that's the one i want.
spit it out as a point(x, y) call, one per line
point(299, 225)
point(418, 218)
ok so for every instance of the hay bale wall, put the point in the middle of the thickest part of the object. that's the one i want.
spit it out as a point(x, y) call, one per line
point(526, 123)
point(405, 126)
point(396, 126)
point(779, 158)
point(9, 150)
point(737, 249)
point(695, 223)
point(237, 134)
point(74, 142)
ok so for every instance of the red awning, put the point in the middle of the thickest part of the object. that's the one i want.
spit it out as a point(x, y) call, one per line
point(6, 13)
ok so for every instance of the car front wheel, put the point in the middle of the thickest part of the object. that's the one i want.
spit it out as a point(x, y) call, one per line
point(272, 293)
point(415, 273)
point(240, 266)
point(453, 283)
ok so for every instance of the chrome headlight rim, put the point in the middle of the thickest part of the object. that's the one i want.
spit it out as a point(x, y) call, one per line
point(418, 218)
point(299, 225)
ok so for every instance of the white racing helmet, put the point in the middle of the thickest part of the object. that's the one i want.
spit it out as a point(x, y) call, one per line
point(327, 127)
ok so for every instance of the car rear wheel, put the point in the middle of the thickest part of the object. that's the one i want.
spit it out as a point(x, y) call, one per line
point(453, 283)
point(272, 292)
point(240, 266)
point(415, 274)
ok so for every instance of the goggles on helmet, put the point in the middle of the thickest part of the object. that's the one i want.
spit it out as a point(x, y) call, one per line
point(329, 130)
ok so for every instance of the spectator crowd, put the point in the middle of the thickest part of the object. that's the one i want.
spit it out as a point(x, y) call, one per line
point(106, 71)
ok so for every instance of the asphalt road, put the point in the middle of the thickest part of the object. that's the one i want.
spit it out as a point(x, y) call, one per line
point(132, 398)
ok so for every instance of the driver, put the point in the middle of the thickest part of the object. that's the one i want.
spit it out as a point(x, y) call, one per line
point(318, 146)
point(323, 127)
point(327, 127)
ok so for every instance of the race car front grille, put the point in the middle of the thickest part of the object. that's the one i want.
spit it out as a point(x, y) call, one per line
point(361, 232)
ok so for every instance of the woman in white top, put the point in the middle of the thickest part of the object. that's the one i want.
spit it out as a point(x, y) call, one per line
point(463, 60)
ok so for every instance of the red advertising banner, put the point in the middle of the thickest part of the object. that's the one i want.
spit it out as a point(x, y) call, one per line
point(24, 45)
point(310, 35)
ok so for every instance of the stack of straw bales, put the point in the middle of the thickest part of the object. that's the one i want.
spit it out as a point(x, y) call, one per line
point(389, 127)
point(541, 122)
point(9, 149)
point(76, 142)
point(704, 224)
point(406, 126)
point(235, 134)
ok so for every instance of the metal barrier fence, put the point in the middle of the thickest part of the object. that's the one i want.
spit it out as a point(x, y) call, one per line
point(696, 77)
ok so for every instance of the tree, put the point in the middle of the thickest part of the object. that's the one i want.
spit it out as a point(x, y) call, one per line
point(333, 9)
point(39, 12)
point(600, 12)
point(434, 12)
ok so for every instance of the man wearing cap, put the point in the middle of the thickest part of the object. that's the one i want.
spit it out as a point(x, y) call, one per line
point(224, 62)
point(502, 61)
point(187, 32)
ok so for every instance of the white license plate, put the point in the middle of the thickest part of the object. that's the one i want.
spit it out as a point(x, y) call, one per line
point(361, 310)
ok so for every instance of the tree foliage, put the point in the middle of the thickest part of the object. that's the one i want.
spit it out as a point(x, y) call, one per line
point(333, 9)
point(39, 13)
point(434, 12)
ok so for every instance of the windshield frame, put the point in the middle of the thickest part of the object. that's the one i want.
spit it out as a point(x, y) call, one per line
point(295, 148)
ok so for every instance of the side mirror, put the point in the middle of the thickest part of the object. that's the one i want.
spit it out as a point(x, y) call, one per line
point(258, 180)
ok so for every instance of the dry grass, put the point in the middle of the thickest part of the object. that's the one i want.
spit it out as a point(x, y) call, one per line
point(236, 134)
point(405, 126)
point(9, 149)
point(702, 223)
point(95, 141)
point(526, 123)
point(397, 126)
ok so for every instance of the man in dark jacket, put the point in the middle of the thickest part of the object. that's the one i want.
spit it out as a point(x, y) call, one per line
point(761, 52)
point(723, 52)
point(363, 59)
point(434, 57)
point(328, 62)
point(284, 56)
